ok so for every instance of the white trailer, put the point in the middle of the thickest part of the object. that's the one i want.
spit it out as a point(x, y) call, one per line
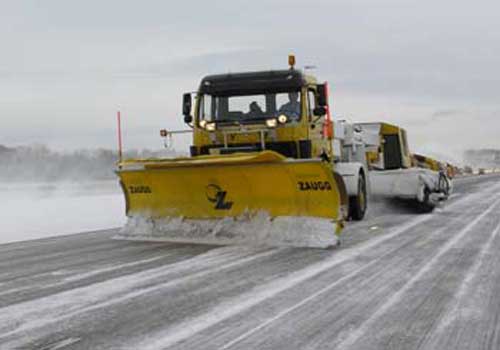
point(391, 172)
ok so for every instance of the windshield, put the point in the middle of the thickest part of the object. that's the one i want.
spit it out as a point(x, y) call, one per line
point(250, 108)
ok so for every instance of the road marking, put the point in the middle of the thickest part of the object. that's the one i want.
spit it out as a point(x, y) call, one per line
point(57, 307)
point(110, 268)
point(301, 303)
point(451, 313)
point(61, 344)
point(362, 328)
point(76, 276)
point(223, 311)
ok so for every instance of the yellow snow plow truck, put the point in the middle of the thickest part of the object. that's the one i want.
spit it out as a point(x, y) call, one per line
point(261, 169)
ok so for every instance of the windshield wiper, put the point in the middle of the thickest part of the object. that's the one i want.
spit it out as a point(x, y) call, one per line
point(258, 118)
point(227, 121)
point(241, 121)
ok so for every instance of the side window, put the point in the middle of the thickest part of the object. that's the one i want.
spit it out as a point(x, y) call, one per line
point(311, 103)
point(207, 107)
point(204, 105)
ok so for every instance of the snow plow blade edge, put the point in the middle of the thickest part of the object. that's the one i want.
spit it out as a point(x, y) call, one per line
point(258, 198)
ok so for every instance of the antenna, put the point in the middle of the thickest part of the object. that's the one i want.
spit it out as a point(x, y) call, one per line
point(120, 153)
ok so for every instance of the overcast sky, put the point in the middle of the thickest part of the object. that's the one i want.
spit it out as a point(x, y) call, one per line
point(67, 66)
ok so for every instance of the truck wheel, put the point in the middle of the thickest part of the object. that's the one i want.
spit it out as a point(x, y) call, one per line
point(426, 206)
point(357, 204)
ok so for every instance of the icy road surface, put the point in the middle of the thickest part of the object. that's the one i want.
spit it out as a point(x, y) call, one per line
point(400, 281)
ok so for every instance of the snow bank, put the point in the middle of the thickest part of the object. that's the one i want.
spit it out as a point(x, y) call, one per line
point(31, 211)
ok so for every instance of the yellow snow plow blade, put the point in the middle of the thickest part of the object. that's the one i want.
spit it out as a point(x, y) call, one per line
point(261, 198)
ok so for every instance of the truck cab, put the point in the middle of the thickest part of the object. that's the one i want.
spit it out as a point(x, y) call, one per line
point(285, 111)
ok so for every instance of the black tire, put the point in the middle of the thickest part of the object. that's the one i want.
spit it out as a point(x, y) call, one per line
point(443, 184)
point(358, 203)
point(426, 206)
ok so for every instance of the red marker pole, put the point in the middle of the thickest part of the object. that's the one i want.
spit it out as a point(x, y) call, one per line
point(328, 125)
point(119, 120)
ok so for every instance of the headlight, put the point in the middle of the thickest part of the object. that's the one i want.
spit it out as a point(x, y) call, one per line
point(282, 119)
point(271, 123)
point(203, 123)
point(210, 126)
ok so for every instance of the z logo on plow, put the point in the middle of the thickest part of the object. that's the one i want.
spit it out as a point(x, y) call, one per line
point(216, 195)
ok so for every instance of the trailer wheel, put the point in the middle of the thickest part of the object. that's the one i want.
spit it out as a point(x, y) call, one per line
point(443, 184)
point(426, 206)
point(357, 204)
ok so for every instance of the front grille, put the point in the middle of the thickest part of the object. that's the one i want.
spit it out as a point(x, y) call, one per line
point(289, 149)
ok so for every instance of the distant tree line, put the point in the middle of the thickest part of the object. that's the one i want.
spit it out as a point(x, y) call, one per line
point(37, 163)
point(483, 158)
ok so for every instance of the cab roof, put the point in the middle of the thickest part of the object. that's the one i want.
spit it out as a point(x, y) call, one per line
point(248, 83)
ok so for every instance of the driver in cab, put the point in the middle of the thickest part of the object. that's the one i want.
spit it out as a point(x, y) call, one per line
point(255, 112)
point(292, 108)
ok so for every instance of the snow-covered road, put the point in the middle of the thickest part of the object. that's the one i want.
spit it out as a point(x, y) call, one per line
point(399, 281)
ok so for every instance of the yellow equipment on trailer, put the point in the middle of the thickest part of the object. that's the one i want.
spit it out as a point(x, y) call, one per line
point(396, 173)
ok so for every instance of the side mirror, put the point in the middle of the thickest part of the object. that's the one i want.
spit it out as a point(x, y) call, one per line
point(322, 95)
point(188, 119)
point(186, 104)
point(319, 111)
